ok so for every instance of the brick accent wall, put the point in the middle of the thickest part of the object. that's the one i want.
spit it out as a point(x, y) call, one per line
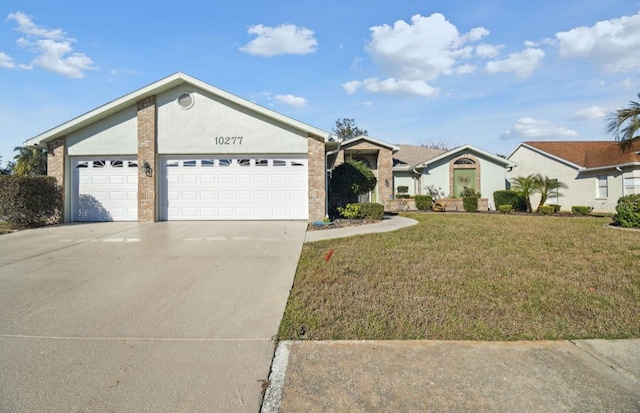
point(56, 154)
point(385, 175)
point(147, 142)
point(317, 191)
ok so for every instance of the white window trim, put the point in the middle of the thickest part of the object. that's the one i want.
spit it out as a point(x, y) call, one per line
point(600, 187)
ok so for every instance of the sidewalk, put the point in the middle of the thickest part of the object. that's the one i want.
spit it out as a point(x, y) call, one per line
point(451, 376)
point(455, 376)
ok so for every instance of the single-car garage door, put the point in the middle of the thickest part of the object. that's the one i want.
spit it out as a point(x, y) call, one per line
point(234, 188)
point(105, 189)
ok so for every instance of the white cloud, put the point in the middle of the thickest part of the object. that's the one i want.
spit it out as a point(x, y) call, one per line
point(488, 51)
point(465, 69)
point(53, 49)
point(399, 87)
point(283, 39)
point(612, 44)
point(422, 50)
point(6, 61)
point(592, 112)
point(291, 100)
point(521, 64)
point(527, 128)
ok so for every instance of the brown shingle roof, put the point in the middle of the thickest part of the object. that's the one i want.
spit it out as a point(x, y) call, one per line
point(591, 154)
point(410, 155)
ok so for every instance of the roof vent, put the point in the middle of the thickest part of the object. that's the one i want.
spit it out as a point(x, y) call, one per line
point(185, 100)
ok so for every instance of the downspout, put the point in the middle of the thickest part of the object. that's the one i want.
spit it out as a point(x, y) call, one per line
point(326, 177)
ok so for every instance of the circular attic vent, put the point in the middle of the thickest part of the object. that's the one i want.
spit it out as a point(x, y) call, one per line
point(185, 101)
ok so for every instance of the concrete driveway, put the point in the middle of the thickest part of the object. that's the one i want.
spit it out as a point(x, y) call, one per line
point(172, 316)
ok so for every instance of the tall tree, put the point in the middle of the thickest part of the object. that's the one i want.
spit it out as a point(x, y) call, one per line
point(346, 129)
point(624, 123)
point(546, 186)
point(30, 160)
point(525, 186)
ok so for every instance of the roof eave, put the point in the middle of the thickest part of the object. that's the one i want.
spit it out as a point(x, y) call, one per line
point(601, 168)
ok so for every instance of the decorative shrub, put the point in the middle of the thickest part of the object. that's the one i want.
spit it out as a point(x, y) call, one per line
point(581, 210)
point(469, 193)
point(556, 208)
point(370, 210)
point(349, 180)
point(351, 211)
point(505, 209)
point(628, 211)
point(30, 201)
point(547, 210)
point(470, 203)
point(509, 197)
point(423, 202)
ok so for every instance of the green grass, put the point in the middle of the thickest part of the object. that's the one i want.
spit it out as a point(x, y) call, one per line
point(5, 228)
point(471, 277)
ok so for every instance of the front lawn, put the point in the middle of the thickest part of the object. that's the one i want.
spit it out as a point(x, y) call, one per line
point(471, 277)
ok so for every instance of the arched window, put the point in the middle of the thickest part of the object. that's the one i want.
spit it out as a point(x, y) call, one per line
point(363, 160)
point(464, 161)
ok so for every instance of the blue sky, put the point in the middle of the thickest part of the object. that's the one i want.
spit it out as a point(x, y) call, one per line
point(492, 73)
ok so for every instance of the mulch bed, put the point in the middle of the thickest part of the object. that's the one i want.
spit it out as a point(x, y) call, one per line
point(341, 223)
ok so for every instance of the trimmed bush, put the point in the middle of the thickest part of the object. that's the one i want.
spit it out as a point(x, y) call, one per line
point(350, 211)
point(470, 203)
point(547, 210)
point(509, 197)
point(505, 209)
point(370, 210)
point(423, 202)
point(30, 201)
point(556, 208)
point(581, 210)
point(628, 211)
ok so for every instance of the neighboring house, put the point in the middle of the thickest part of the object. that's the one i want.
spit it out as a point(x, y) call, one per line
point(181, 149)
point(597, 173)
point(451, 171)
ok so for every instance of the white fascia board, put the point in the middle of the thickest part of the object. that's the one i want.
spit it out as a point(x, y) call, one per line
point(601, 168)
point(557, 158)
point(486, 154)
point(158, 87)
point(393, 148)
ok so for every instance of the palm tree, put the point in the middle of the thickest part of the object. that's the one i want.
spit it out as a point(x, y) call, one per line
point(546, 187)
point(525, 186)
point(30, 160)
point(624, 124)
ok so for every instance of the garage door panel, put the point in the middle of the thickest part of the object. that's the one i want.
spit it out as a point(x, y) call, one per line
point(251, 187)
point(104, 190)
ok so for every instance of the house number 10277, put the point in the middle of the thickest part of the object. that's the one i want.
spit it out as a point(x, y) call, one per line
point(228, 140)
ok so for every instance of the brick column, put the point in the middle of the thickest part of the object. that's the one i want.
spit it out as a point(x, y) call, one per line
point(316, 170)
point(385, 175)
point(147, 128)
point(56, 154)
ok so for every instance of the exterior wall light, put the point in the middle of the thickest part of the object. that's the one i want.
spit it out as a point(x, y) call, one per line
point(146, 169)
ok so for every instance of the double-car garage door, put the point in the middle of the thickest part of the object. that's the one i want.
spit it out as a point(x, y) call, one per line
point(195, 188)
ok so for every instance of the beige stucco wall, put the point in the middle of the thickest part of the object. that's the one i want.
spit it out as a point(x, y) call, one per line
point(404, 179)
point(210, 117)
point(582, 187)
point(114, 135)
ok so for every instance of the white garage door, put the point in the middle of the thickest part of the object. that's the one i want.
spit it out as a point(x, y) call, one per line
point(251, 187)
point(105, 189)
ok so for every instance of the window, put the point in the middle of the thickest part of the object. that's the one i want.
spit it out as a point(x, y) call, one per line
point(294, 163)
point(464, 161)
point(603, 189)
point(262, 162)
point(631, 185)
point(117, 164)
point(190, 163)
point(132, 164)
point(99, 164)
point(244, 162)
point(279, 162)
point(207, 162)
point(172, 164)
point(83, 164)
point(225, 162)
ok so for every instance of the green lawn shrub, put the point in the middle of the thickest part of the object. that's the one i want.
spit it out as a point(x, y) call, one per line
point(581, 210)
point(370, 210)
point(423, 202)
point(628, 211)
point(509, 197)
point(505, 209)
point(556, 208)
point(470, 203)
point(30, 201)
point(350, 211)
point(547, 210)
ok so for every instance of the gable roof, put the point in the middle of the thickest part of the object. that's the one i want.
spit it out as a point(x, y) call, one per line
point(160, 86)
point(408, 156)
point(467, 147)
point(370, 140)
point(589, 154)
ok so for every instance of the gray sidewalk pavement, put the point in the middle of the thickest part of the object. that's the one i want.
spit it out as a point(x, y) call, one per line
point(389, 223)
point(455, 376)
